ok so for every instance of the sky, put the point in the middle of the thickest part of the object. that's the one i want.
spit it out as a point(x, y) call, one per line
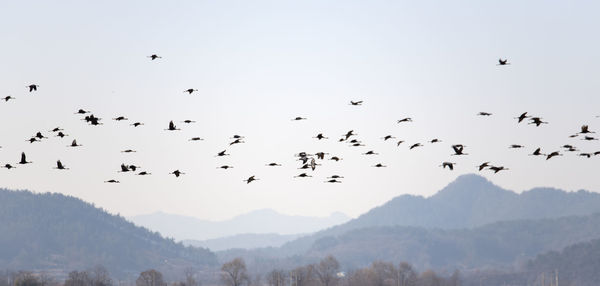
point(258, 64)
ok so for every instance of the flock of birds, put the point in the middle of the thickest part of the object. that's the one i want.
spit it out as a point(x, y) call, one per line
point(310, 161)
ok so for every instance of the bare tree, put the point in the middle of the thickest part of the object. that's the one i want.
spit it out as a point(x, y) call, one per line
point(276, 278)
point(302, 276)
point(190, 279)
point(77, 278)
point(100, 277)
point(25, 278)
point(234, 273)
point(407, 276)
point(327, 270)
point(150, 278)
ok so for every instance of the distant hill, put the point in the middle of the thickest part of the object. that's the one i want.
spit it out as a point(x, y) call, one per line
point(53, 231)
point(244, 241)
point(470, 201)
point(264, 221)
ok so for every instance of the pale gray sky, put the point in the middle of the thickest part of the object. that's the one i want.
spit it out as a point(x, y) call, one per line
point(257, 64)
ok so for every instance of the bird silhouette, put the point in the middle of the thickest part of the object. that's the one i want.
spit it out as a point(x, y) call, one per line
point(187, 121)
point(251, 179)
point(407, 119)
point(585, 130)
point(435, 140)
point(588, 155)
point(332, 181)
point(516, 146)
point(303, 175)
point(190, 90)
point(415, 146)
point(56, 129)
point(74, 144)
point(8, 166)
point(172, 126)
point(136, 124)
point(225, 167)
point(7, 98)
point(349, 134)
point(273, 164)
point(356, 102)
point(24, 159)
point(320, 136)
point(81, 111)
point(321, 155)
point(483, 165)
point(537, 121)
point(39, 135)
point(32, 139)
point(497, 169)
point(335, 158)
point(299, 118)
point(589, 138)
point(522, 117)
point(553, 154)
point(60, 166)
point(335, 177)
point(124, 168)
point(502, 62)
point(458, 149)
point(154, 57)
point(379, 165)
point(119, 118)
point(177, 173)
point(399, 142)
point(450, 165)
point(484, 113)
point(196, 139)
point(537, 152)
point(222, 153)
point(143, 173)
point(236, 141)
point(128, 151)
point(387, 137)
point(33, 87)
point(133, 168)
point(371, 152)
point(112, 181)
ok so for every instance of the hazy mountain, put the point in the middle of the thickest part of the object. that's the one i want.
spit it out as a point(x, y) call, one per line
point(53, 231)
point(264, 221)
point(244, 241)
point(469, 201)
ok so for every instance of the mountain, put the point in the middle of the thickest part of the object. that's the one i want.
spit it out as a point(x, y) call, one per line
point(244, 241)
point(56, 232)
point(264, 221)
point(470, 201)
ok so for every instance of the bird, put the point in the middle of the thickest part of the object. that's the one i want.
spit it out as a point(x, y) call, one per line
point(450, 165)
point(196, 139)
point(128, 151)
point(435, 140)
point(537, 152)
point(335, 158)
point(537, 121)
point(371, 152)
point(56, 129)
point(273, 164)
point(522, 117)
point(589, 138)
point(332, 181)
point(124, 168)
point(299, 118)
point(313, 164)
point(119, 118)
point(458, 149)
point(497, 169)
point(154, 57)
point(112, 181)
point(237, 137)
point(74, 144)
point(190, 90)
point(335, 177)
point(177, 173)
point(24, 159)
point(172, 126)
point(236, 141)
point(407, 119)
point(379, 165)
point(8, 166)
point(349, 134)
point(585, 130)
point(303, 175)
point(187, 121)
point(484, 113)
point(32, 139)
point(143, 173)
point(222, 153)
point(415, 146)
point(399, 142)
point(7, 98)
point(320, 136)
point(60, 166)
point(483, 165)
point(387, 137)
point(33, 87)
point(356, 102)
point(133, 167)
point(225, 167)
point(502, 62)
point(589, 155)
point(81, 111)
point(136, 124)
point(251, 179)
point(321, 155)
point(357, 145)
point(553, 154)
point(40, 136)
point(515, 146)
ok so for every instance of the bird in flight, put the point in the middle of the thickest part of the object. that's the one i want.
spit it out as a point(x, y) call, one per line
point(74, 144)
point(522, 116)
point(515, 146)
point(177, 173)
point(537, 121)
point(154, 57)
point(112, 181)
point(222, 153)
point(450, 165)
point(33, 87)
point(196, 139)
point(553, 154)
point(251, 179)
point(387, 137)
point(320, 136)
point(136, 124)
point(497, 169)
point(60, 166)
point(379, 165)
point(190, 90)
point(24, 159)
point(332, 181)
point(484, 113)
point(119, 118)
point(458, 149)
point(415, 146)
point(303, 175)
point(187, 121)
point(407, 119)
point(356, 102)
point(299, 118)
point(273, 164)
point(7, 98)
point(172, 126)
point(483, 165)
point(502, 62)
